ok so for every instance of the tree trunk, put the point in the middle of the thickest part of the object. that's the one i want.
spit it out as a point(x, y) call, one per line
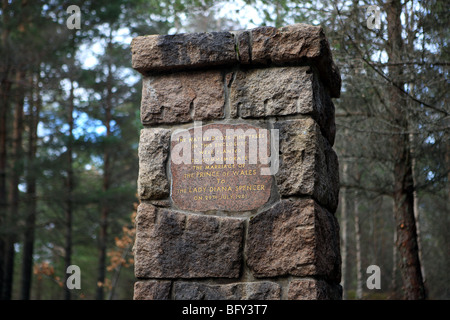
point(69, 190)
point(394, 265)
point(359, 282)
point(344, 224)
point(30, 221)
point(415, 195)
point(409, 263)
point(5, 88)
point(13, 195)
point(115, 280)
point(417, 218)
point(4, 96)
point(447, 161)
point(104, 214)
point(106, 182)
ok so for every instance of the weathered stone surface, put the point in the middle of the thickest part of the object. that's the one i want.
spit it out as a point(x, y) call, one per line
point(153, 152)
point(182, 97)
point(243, 46)
point(296, 43)
point(152, 290)
point(172, 244)
point(297, 238)
point(263, 290)
point(161, 203)
point(219, 181)
point(282, 91)
point(286, 44)
point(155, 53)
point(308, 164)
point(271, 92)
point(324, 111)
point(311, 289)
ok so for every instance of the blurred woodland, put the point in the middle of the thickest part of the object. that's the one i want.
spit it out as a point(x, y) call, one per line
point(69, 129)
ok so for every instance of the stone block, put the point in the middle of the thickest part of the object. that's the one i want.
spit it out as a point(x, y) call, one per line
point(296, 43)
point(324, 112)
point(311, 289)
point(271, 92)
point(243, 46)
point(257, 93)
point(182, 97)
point(152, 290)
point(308, 164)
point(155, 53)
point(172, 244)
point(264, 290)
point(294, 237)
point(153, 151)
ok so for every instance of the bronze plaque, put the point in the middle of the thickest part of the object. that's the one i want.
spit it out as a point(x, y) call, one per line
point(219, 167)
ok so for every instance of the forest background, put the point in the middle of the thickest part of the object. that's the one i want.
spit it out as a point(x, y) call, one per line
point(69, 129)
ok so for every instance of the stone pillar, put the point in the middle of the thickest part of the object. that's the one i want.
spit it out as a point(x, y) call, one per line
point(208, 229)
